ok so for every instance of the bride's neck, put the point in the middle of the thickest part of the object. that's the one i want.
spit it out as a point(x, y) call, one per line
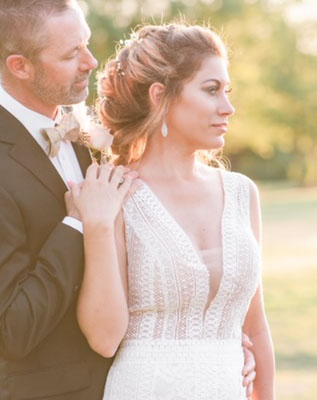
point(165, 160)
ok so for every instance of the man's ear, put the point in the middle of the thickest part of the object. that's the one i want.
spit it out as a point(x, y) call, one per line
point(19, 66)
point(156, 91)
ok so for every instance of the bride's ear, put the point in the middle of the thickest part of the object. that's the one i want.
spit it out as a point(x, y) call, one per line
point(156, 91)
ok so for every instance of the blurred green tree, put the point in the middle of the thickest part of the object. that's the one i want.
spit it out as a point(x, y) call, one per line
point(274, 132)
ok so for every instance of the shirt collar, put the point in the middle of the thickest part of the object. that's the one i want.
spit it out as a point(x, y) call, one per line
point(31, 120)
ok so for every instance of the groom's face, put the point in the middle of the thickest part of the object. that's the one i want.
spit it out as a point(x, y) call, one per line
point(62, 69)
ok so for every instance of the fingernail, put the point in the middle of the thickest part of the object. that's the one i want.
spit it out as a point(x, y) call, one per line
point(69, 183)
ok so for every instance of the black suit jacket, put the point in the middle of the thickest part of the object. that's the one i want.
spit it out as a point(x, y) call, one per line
point(43, 354)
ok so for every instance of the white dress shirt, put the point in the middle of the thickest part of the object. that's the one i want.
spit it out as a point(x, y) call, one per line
point(65, 162)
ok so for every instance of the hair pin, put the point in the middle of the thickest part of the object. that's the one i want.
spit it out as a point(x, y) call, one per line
point(119, 69)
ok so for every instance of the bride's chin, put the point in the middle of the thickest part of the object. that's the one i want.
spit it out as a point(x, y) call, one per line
point(214, 146)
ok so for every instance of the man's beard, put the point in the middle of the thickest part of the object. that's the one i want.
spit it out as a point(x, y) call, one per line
point(52, 94)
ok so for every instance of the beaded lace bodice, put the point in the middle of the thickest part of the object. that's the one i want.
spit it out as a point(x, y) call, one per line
point(184, 340)
point(169, 285)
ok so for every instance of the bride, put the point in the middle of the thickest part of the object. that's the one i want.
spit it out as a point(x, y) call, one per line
point(173, 264)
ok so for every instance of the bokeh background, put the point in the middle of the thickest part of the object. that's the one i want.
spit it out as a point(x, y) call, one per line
point(272, 139)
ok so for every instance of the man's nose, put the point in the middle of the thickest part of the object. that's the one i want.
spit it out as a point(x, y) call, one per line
point(89, 62)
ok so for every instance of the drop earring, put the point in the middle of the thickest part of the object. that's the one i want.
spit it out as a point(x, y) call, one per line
point(164, 129)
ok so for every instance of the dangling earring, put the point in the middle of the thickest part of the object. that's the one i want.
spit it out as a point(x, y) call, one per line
point(164, 129)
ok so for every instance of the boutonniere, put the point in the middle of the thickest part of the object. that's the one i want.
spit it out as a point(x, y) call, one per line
point(94, 135)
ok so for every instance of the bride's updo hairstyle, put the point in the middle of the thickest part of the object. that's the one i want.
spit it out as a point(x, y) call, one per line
point(169, 54)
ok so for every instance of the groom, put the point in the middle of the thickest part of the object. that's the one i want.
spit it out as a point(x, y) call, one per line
point(44, 62)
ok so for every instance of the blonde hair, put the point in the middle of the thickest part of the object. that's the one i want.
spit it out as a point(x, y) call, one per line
point(169, 54)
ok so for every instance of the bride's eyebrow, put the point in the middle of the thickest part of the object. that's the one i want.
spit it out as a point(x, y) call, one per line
point(212, 80)
point(217, 82)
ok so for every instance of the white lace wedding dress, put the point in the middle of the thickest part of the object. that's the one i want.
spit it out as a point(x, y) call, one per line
point(180, 343)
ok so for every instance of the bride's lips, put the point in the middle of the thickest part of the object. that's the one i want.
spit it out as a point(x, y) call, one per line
point(223, 126)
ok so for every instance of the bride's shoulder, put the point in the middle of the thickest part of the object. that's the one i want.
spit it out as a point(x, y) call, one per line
point(242, 182)
point(239, 177)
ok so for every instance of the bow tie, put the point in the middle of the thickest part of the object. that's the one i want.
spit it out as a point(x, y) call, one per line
point(68, 129)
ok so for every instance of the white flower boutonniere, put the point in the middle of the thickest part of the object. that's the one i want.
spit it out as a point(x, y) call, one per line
point(93, 135)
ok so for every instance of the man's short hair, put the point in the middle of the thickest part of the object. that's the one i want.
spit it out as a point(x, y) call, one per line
point(21, 25)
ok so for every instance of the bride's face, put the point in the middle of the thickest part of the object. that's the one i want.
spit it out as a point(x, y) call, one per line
point(198, 118)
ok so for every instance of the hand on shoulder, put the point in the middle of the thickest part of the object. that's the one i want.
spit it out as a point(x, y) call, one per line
point(98, 199)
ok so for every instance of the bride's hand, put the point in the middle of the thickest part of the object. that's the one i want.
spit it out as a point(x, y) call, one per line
point(99, 197)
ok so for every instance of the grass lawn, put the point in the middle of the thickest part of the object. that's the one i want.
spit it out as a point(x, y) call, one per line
point(290, 286)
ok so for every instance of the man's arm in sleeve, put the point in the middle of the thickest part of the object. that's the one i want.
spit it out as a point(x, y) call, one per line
point(34, 293)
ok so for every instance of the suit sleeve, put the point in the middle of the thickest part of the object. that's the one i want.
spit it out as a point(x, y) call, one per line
point(34, 293)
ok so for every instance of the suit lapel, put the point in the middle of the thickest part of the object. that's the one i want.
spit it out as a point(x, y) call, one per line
point(83, 157)
point(26, 151)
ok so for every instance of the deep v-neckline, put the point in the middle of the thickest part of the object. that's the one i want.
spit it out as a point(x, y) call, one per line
point(173, 220)
point(188, 241)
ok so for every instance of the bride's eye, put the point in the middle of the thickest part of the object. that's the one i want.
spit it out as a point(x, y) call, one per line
point(212, 90)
